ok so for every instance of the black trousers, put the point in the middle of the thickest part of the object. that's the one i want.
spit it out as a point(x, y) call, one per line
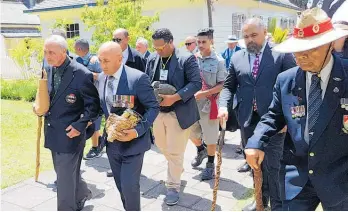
point(308, 200)
point(126, 171)
point(71, 188)
point(270, 166)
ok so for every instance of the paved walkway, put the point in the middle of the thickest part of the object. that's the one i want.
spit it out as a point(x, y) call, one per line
point(234, 192)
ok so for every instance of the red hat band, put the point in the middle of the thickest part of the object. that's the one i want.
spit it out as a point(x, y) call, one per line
point(313, 30)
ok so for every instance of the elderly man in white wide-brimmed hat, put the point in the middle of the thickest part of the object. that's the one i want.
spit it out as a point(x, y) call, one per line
point(232, 47)
point(312, 100)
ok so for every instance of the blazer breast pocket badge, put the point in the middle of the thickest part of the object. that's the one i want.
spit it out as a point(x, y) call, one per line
point(125, 101)
point(345, 124)
point(298, 111)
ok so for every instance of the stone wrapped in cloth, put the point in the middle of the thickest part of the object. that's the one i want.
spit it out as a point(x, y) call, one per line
point(116, 124)
point(164, 89)
point(42, 99)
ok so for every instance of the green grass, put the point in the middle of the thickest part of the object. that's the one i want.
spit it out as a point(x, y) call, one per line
point(18, 146)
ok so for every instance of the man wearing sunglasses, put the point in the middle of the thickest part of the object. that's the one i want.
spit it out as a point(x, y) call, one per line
point(178, 112)
point(191, 44)
point(130, 56)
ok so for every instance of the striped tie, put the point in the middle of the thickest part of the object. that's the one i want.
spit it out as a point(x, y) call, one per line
point(256, 66)
point(111, 88)
point(314, 103)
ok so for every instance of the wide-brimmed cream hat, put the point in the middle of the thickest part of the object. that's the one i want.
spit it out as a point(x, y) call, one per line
point(313, 29)
point(340, 18)
point(231, 39)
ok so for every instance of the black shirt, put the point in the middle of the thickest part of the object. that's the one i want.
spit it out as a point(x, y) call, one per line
point(166, 61)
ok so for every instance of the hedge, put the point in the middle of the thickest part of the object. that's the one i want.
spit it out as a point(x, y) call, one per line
point(19, 89)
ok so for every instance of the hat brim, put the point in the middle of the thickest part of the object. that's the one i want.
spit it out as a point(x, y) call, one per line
point(231, 41)
point(293, 45)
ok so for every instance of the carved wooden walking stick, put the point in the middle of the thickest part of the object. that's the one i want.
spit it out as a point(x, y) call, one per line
point(258, 189)
point(220, 144)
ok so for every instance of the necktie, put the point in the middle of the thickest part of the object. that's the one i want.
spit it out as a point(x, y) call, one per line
point(314, 103)
point(110, 91)
point(254, 73)
point(256, 66)
point(56, 80)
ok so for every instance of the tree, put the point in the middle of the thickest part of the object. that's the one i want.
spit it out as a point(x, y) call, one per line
point(117, 14)
point(210, 7)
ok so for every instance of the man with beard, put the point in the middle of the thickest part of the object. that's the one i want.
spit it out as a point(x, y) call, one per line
point(254, 71)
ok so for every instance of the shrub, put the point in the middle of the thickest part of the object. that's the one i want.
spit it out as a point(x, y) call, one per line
point(19, 89)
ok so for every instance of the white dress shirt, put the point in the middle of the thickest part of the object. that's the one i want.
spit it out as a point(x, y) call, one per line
point(117, 76)
point(324, 81)
point(125, 55)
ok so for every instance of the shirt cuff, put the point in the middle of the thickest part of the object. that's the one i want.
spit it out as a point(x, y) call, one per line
point(223, 109)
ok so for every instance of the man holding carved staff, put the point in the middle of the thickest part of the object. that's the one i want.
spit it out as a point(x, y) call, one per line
point(312, 100)
point(73, 103)
point(123, 90)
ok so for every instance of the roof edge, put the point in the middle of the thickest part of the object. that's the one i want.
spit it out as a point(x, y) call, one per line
point(59, 8)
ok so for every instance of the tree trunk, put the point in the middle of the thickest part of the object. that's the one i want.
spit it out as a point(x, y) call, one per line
point(210, 18)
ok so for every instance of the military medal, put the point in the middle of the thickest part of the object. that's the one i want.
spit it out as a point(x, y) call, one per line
point(124, 101)
point(345, 124)
point(293, 112)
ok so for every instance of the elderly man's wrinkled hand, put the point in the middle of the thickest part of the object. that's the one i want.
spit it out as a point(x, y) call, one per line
point(254, 157)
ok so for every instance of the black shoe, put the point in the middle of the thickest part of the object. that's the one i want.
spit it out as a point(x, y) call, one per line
point(94, 152)
point(209, 172)
point(252, 207)
point(109, 173)
point(244, 168)
point(199, 158)
point(81, 204)
point(239, 150)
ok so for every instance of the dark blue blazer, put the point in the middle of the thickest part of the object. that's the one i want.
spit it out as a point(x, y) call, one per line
point(241, 82)
point(82, 107)
point(327, 153)
point(184, 75)
point(133, 83)
point(226, 55)
point(135, 60)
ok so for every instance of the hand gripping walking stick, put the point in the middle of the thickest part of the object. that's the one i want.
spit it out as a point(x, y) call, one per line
point(220, 144)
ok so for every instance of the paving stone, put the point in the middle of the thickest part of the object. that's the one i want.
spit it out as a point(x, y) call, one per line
point(49, 205)
point(189, 197)
point(13, 187)
point(28, 196)
point(99, 208)
point(157, 192)
point(46, 180)
point(97, 188)
point(102, 162)
point(110, 198)
point(5, 206)
point(147, 184)
point(150, 170)
point(144, 201)
point(159, 205)
point(222, 203)
point(227, 188)
point(95, 174)
point(153, 158)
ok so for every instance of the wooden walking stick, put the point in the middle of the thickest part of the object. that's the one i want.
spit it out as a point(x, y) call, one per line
point(40, 107)
point(258, 189)
point(37, 170)
point(220, 144)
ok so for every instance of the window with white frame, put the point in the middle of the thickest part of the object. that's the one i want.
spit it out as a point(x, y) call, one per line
point(72, 30)
point(237, 24)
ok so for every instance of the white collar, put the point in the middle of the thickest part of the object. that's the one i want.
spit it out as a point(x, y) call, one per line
point(125, 51)
point(118, 73)
point(325, 72)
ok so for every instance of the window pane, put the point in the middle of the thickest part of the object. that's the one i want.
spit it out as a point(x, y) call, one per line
point(67, 27)
point(68, 35)
point(77, 33)
point(77, 27)
point(72, 34)
point(71, 27)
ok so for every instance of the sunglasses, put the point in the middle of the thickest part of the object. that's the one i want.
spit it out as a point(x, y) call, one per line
point(189, 44)
point(160, 48)
point(118, 40)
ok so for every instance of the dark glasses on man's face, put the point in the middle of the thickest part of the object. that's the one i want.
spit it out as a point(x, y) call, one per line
point(188, 44)
point(118, 40)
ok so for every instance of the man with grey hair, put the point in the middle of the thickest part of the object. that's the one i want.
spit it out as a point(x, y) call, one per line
point(191, 44)
point(252, 75)
point(91, 62)
point(74, 103)
point(142, 47)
